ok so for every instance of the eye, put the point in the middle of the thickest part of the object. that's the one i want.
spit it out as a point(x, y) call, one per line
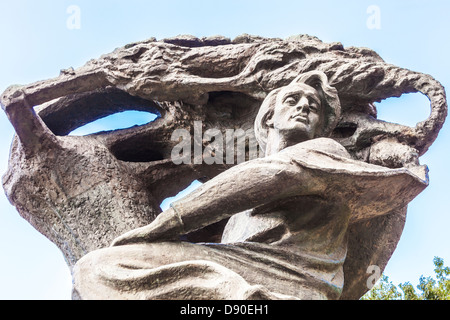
point(292, 101)
point(313, 106)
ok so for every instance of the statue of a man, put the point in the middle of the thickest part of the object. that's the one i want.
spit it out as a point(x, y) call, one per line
point(290, 212)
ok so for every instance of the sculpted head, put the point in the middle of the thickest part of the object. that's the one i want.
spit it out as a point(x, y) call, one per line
point(305, 109)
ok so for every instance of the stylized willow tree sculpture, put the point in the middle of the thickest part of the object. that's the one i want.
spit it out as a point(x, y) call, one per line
point(82, 192)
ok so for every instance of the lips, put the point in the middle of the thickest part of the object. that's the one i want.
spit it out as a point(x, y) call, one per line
point(300, 118)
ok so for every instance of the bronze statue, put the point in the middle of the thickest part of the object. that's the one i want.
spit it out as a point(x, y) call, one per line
point(306, 221)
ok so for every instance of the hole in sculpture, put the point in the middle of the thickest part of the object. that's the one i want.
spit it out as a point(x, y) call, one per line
point(129, 151)
point(344, 130)
point(408, 109)
point(211, 233)
point(116, 121)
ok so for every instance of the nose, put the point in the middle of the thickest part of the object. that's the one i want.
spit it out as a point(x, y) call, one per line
point(303, 105)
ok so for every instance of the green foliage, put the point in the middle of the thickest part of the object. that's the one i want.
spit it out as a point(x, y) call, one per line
point(430, 288)
point(383, 290)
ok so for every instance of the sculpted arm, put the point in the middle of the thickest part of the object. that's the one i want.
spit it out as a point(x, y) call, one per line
point(31, 130)
point(242, 187)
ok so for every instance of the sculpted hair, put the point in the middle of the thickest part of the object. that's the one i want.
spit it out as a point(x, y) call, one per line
point(329, 99)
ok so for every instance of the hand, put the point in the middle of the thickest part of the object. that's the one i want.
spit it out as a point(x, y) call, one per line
point(143, 234)
point(165, 227)
point(392, 154)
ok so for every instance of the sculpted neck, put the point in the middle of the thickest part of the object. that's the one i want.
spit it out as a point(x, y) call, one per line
point(277, 141)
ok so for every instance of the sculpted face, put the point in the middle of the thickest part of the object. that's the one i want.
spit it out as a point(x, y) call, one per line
point(297, 114)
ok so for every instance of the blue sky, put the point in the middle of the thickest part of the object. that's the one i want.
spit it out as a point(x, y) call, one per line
point(36, 43)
